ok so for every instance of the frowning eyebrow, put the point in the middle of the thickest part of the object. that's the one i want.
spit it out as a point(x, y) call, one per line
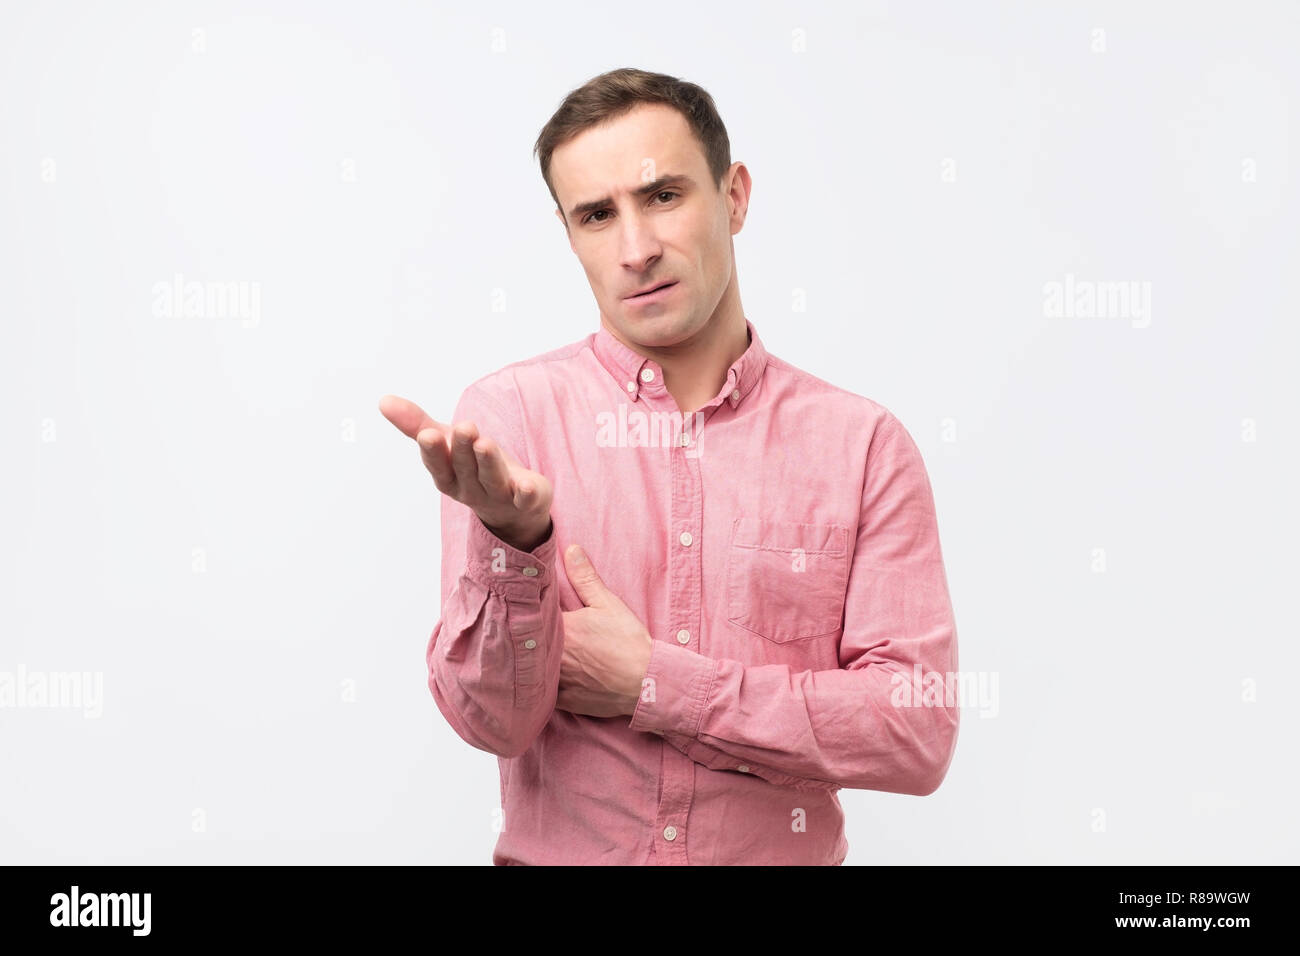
point(674, 179)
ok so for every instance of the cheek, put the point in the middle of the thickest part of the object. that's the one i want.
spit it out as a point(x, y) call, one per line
point(714, 251)
point(719, 239)
point(592, 269)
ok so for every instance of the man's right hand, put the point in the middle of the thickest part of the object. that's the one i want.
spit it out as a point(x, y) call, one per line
point(513, 502)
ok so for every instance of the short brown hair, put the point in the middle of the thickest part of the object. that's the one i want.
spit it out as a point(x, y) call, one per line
point(616, 92)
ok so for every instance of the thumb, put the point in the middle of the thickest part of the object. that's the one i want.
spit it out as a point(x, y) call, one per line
point(582, 575)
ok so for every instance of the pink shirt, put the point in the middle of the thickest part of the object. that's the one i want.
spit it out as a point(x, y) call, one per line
point(782, 549)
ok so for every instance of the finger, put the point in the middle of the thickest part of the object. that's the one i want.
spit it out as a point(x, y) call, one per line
point(463, 460)
point(437, 458)
point(493, 473)
point(409, 417)
point(582, 575)
point(526, 490)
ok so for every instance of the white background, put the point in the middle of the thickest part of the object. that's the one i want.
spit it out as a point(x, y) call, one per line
point(212, 514)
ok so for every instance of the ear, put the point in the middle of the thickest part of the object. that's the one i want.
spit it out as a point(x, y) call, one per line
point(738, 194)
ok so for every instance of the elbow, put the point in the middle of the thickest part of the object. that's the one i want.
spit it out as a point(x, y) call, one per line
point(935, 757)
point(491, 737)
point(929, 782)
point(527, 725)
point(916, 762)
point(497, 745)
point(519, 738)
point(503, 734)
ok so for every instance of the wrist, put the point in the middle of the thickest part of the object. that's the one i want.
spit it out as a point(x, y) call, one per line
point(522, 538)
point(643, 669)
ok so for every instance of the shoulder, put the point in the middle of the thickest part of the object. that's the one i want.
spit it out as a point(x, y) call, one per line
point(503, 386)
point(864, 415)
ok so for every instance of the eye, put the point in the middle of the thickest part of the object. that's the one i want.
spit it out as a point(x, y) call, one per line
point(591, 217)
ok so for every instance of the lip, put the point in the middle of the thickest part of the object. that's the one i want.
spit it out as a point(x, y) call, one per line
point(646, 298)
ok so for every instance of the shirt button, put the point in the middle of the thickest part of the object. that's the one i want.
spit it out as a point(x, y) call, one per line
point(631, 386)
point(530, 644)
point(683, 636)
point(686, 538)
point(647, 375)
point(743, 768)
point(670, 833)
point(531, 572)
point(735, 395)
point(686, 439)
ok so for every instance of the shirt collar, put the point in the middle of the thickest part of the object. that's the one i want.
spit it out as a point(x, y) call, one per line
point(634, 372)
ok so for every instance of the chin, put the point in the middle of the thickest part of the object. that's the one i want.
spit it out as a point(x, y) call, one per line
point(663, 330)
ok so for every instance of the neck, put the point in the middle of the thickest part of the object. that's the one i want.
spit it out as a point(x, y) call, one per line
point(696, 369)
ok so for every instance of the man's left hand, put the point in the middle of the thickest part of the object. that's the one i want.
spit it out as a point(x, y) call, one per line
point(606, 647)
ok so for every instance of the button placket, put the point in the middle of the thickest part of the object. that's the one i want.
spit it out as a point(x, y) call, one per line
point(685, 573)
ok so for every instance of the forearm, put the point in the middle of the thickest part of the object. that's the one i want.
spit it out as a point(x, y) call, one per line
point(494, 656)
point(820, 729)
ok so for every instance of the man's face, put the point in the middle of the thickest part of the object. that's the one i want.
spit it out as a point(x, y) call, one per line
point(641, 209)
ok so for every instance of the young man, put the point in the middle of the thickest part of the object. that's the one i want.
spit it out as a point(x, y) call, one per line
point(752, 610)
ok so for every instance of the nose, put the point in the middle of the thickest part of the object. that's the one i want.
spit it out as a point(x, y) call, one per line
point(639, 246)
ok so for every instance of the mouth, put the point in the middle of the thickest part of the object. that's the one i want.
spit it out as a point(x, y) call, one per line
point(652, 291)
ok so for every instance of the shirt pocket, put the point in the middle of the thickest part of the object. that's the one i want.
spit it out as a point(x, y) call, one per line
point(786, 581)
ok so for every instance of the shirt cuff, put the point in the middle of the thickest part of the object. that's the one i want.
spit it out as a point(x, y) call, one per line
point(674, 691)
point(503, 568)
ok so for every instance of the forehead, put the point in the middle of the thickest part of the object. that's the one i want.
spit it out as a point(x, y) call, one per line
point(611, 157)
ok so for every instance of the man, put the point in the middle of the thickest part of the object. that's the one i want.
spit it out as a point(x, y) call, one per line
point(752, 608)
